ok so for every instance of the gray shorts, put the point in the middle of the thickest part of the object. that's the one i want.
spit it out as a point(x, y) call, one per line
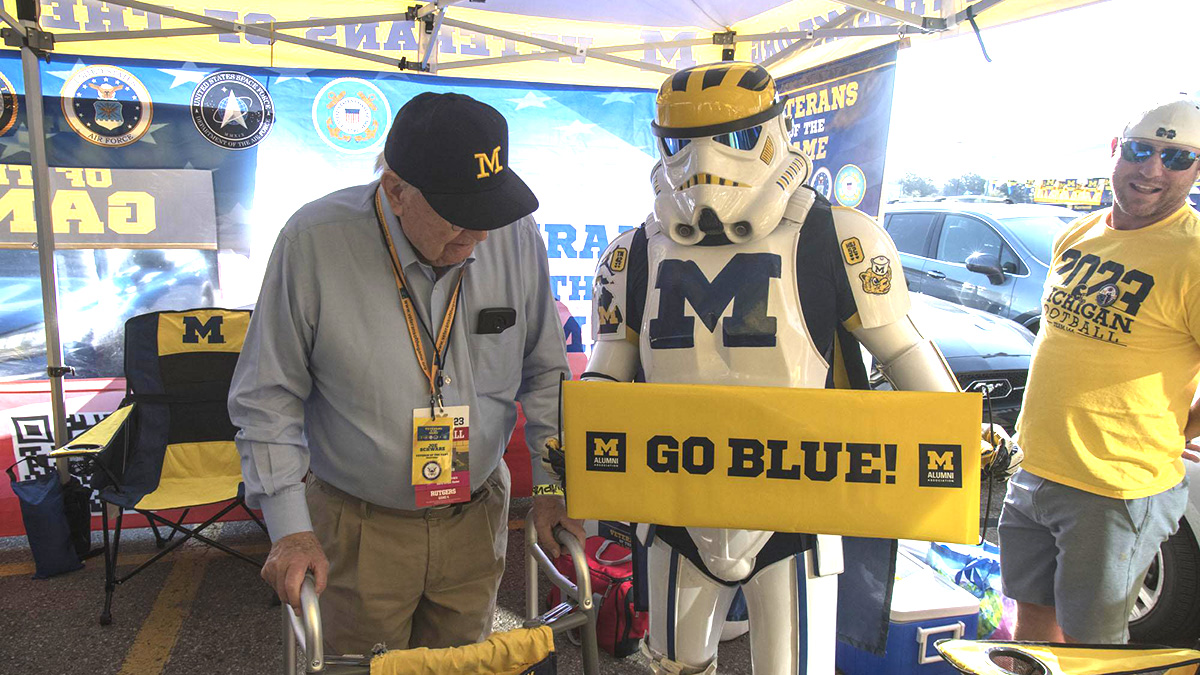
point(1081, 553)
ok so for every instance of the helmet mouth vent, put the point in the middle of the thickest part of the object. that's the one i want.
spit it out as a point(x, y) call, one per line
point(710, 179)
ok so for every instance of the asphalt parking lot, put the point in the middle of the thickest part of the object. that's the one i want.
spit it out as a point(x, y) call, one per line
point(199, 611)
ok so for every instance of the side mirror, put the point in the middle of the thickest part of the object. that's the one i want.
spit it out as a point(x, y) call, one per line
point(986, 264)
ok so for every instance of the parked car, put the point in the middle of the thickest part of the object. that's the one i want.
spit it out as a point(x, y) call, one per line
point(987, 353)
point(97, 291)
point(988, 256)
point(1167, 610)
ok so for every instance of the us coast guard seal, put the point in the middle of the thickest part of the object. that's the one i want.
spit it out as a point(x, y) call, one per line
point(107, 105)
point(352, 115)
point(8, 105)
point(232, 110)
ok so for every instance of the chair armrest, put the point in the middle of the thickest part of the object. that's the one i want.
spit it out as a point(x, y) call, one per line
point(95, 440)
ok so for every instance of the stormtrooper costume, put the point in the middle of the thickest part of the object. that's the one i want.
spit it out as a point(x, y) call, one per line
point(744, 276)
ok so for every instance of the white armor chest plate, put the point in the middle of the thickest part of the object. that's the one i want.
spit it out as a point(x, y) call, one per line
point(727, 315)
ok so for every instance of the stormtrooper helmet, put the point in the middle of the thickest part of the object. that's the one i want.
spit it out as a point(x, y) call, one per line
point(728, 166)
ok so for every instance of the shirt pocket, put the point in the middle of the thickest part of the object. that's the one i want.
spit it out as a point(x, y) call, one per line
point(496, 361)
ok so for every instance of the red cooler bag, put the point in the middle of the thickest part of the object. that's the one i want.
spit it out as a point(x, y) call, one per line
point(619, 628)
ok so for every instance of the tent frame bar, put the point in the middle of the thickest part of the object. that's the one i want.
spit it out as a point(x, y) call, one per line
point(8, 19)
point(208, 30)
point(554, 50)
point(256, 30)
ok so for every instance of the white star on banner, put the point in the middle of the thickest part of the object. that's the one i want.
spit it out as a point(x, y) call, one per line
point(530, 100)
point(617, 97)
point(188, 73)
point(282, 76)
point(66, 74)
point(576, 127)
point(149, 137)
point(22, 145)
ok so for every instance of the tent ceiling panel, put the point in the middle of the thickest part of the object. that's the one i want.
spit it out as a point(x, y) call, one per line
point(615, 43)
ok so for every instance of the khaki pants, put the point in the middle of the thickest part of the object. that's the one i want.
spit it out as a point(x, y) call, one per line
point(425, 578)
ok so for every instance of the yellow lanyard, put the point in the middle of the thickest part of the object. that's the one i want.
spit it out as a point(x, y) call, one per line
point(413, 320)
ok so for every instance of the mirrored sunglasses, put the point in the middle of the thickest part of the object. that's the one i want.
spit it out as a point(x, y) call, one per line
point(1173, 159)
point(742, 139)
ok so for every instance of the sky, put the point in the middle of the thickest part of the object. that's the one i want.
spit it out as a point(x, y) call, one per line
point(1058, 89)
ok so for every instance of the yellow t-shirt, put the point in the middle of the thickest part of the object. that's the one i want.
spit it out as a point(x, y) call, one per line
point(1115, 364)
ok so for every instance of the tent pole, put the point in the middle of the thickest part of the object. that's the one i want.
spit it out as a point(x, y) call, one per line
point(34, 117)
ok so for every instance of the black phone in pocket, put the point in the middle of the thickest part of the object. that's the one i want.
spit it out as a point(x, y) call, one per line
point(493, 320)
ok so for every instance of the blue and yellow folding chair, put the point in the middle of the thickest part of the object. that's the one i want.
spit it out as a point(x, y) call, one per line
point(170, 444)
point(985, 657)
point(525, 651)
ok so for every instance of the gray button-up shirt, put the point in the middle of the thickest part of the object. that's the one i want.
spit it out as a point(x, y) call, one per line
point(328, 378)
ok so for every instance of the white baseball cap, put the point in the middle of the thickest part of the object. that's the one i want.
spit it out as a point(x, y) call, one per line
point(1176, 122)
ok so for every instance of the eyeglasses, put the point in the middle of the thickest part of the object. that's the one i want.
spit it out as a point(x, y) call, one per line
point(1173, 159)
point(742, 139)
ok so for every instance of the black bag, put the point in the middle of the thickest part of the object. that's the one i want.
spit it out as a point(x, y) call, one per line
point(45, 517)
point(77, 502)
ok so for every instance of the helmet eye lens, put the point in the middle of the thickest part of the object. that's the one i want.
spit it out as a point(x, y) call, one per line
point(743, 139)
point(674, 145)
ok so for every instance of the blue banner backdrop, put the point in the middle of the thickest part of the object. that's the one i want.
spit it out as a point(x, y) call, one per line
point(842, 112)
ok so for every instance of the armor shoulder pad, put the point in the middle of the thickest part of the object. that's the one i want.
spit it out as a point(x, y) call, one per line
point(610, 304)
point(873, 267)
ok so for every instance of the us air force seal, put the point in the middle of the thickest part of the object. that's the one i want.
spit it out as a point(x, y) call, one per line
point(232, 110)
point(822, 181)
point(8, 105)
point(850, 186)
point(107, 105)
point(352, 115)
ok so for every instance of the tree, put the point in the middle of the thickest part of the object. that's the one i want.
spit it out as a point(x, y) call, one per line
point(912, 185)
point(974, 184)
point(966, 184)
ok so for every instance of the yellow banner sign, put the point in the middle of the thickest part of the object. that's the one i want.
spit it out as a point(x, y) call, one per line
point(860, 463)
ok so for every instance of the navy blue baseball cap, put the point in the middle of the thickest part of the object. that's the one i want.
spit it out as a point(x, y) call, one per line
point(454, 149)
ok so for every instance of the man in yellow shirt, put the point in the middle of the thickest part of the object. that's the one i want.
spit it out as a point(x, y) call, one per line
point(1109, 405)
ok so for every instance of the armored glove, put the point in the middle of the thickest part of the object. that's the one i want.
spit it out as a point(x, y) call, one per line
point(1000, 453)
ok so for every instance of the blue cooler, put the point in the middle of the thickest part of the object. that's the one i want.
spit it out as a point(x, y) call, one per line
point(926, 608)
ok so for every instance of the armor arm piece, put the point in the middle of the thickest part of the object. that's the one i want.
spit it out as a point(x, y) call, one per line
point(614, 330)
point(873, 267)
point(907, 359)
point(610, 306)
point(615, 360)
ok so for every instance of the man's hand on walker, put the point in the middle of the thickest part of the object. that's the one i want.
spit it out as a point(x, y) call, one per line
point(290, 558)
point(548, 511)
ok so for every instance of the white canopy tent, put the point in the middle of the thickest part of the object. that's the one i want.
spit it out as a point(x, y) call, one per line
point(631, 43)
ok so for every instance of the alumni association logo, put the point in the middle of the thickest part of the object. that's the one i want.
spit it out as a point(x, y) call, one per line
point(8, 105)
point(352, 115)
point(107, 105)
point(606, 451)
point(232, 110)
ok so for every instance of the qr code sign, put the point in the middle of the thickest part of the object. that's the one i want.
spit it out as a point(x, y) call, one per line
point(33, 436)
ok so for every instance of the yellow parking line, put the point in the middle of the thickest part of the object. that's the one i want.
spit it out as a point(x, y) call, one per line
point(152, 646)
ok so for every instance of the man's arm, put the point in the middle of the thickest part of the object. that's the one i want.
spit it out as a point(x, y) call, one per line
point(1191, 451)
point(543, 367)
point(266, 403)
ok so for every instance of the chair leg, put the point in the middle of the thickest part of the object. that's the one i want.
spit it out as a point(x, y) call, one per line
point(110, 567)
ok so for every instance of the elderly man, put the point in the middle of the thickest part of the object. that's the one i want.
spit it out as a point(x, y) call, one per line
point(398, 325)
point(1109, 405)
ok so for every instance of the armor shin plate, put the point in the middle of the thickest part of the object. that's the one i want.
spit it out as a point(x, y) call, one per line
point(793, 615)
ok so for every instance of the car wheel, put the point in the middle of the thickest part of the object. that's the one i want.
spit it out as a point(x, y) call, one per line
point(1167, 609)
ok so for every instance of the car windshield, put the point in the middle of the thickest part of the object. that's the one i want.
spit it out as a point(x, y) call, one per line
point(1036, 233)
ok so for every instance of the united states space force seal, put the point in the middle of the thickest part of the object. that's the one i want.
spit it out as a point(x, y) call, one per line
point(8, 105)
point(232, 110)
point(352, 115)
point(107, 105)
